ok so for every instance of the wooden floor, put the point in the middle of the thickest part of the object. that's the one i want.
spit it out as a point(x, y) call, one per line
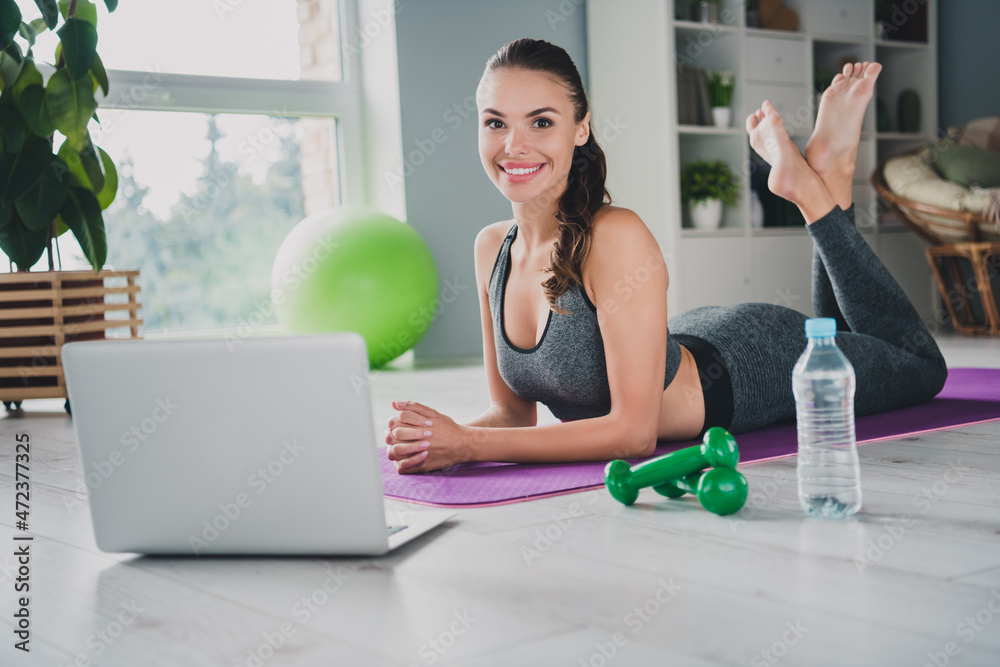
point(913, 579)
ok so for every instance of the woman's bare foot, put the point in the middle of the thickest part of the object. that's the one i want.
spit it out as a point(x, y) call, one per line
point(791, 177)
point(832, 149)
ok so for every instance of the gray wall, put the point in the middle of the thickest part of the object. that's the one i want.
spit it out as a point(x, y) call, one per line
point(968, 60)
point(442, 47)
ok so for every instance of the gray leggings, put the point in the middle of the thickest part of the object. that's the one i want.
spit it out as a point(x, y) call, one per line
point(895, 359)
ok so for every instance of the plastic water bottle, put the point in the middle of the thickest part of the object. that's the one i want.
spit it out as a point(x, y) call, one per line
point(823, 383)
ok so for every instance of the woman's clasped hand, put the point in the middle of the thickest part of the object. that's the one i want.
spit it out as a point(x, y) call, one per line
point(421, 439)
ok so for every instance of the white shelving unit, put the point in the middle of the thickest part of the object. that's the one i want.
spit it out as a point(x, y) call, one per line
point(633, 50)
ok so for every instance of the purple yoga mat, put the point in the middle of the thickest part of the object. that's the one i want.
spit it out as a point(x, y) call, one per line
point(970, 395)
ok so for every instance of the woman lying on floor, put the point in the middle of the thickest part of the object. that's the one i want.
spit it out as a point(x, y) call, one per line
point(594, 353)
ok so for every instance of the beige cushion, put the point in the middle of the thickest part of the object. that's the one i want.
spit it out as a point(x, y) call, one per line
point(911, 176)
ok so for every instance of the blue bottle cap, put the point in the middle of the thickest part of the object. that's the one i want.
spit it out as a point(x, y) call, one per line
point(821, 327)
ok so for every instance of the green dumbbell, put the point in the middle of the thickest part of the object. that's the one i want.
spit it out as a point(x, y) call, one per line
point(718, 450)
point(721, 491)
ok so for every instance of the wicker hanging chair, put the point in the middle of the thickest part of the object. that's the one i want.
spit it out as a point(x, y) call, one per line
point(935, 224)
point(963, 253)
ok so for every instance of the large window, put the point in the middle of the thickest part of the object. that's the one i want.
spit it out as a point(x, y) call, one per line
point(226, 122)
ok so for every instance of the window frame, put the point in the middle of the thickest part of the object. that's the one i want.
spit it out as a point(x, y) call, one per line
point(341, 100)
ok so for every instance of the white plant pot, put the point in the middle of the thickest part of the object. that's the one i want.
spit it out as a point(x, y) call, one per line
point(722, 116)
point(707, 214)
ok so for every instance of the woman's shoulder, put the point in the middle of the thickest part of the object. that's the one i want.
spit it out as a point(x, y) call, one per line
point(487, 247)
point(615, 220)
point(490, 238)
point(620, 241)
point(616, 229)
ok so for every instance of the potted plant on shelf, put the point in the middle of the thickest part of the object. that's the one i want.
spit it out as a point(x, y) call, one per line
point(47, 189)
point(720, 90)
point(705, 186)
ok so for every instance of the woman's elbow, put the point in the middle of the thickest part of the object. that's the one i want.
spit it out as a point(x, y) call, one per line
point(646, 446)
point(627, 436)
point(639, 442)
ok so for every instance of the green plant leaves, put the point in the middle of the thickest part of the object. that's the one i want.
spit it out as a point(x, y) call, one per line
point(22, 245)
point(75, 162)
point(11, 130)
point(29, 76)
point(40, 191)
point(19, 172)
point(50, 12)
point(720, 87)
point(35, 111)
point(106, 195)
point(70, 103)
point(94, 170)
point(79, 41)
point(39, 26)
point(709, 179)
point(82, 214)
point(28, 33)
point(100, 74)
point(85, 10)
point(11, 62)
point(10, 22)
point(40, 204)
point(92, 167)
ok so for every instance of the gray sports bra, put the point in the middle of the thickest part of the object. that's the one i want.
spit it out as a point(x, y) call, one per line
point(566, 370)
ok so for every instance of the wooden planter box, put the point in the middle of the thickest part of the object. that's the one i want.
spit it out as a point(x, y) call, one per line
point(42, 310)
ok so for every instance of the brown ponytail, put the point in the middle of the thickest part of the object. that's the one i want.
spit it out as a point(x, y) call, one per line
point(585, 190)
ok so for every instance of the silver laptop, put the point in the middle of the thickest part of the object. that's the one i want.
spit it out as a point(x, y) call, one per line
point(233, 446)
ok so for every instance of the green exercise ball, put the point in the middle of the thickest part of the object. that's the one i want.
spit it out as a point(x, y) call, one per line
point(353, 268)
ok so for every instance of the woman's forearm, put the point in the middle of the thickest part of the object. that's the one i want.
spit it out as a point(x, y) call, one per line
point(597, 439)
point(498, 417)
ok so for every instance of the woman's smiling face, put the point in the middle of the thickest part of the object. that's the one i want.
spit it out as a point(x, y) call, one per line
point(527, 132)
